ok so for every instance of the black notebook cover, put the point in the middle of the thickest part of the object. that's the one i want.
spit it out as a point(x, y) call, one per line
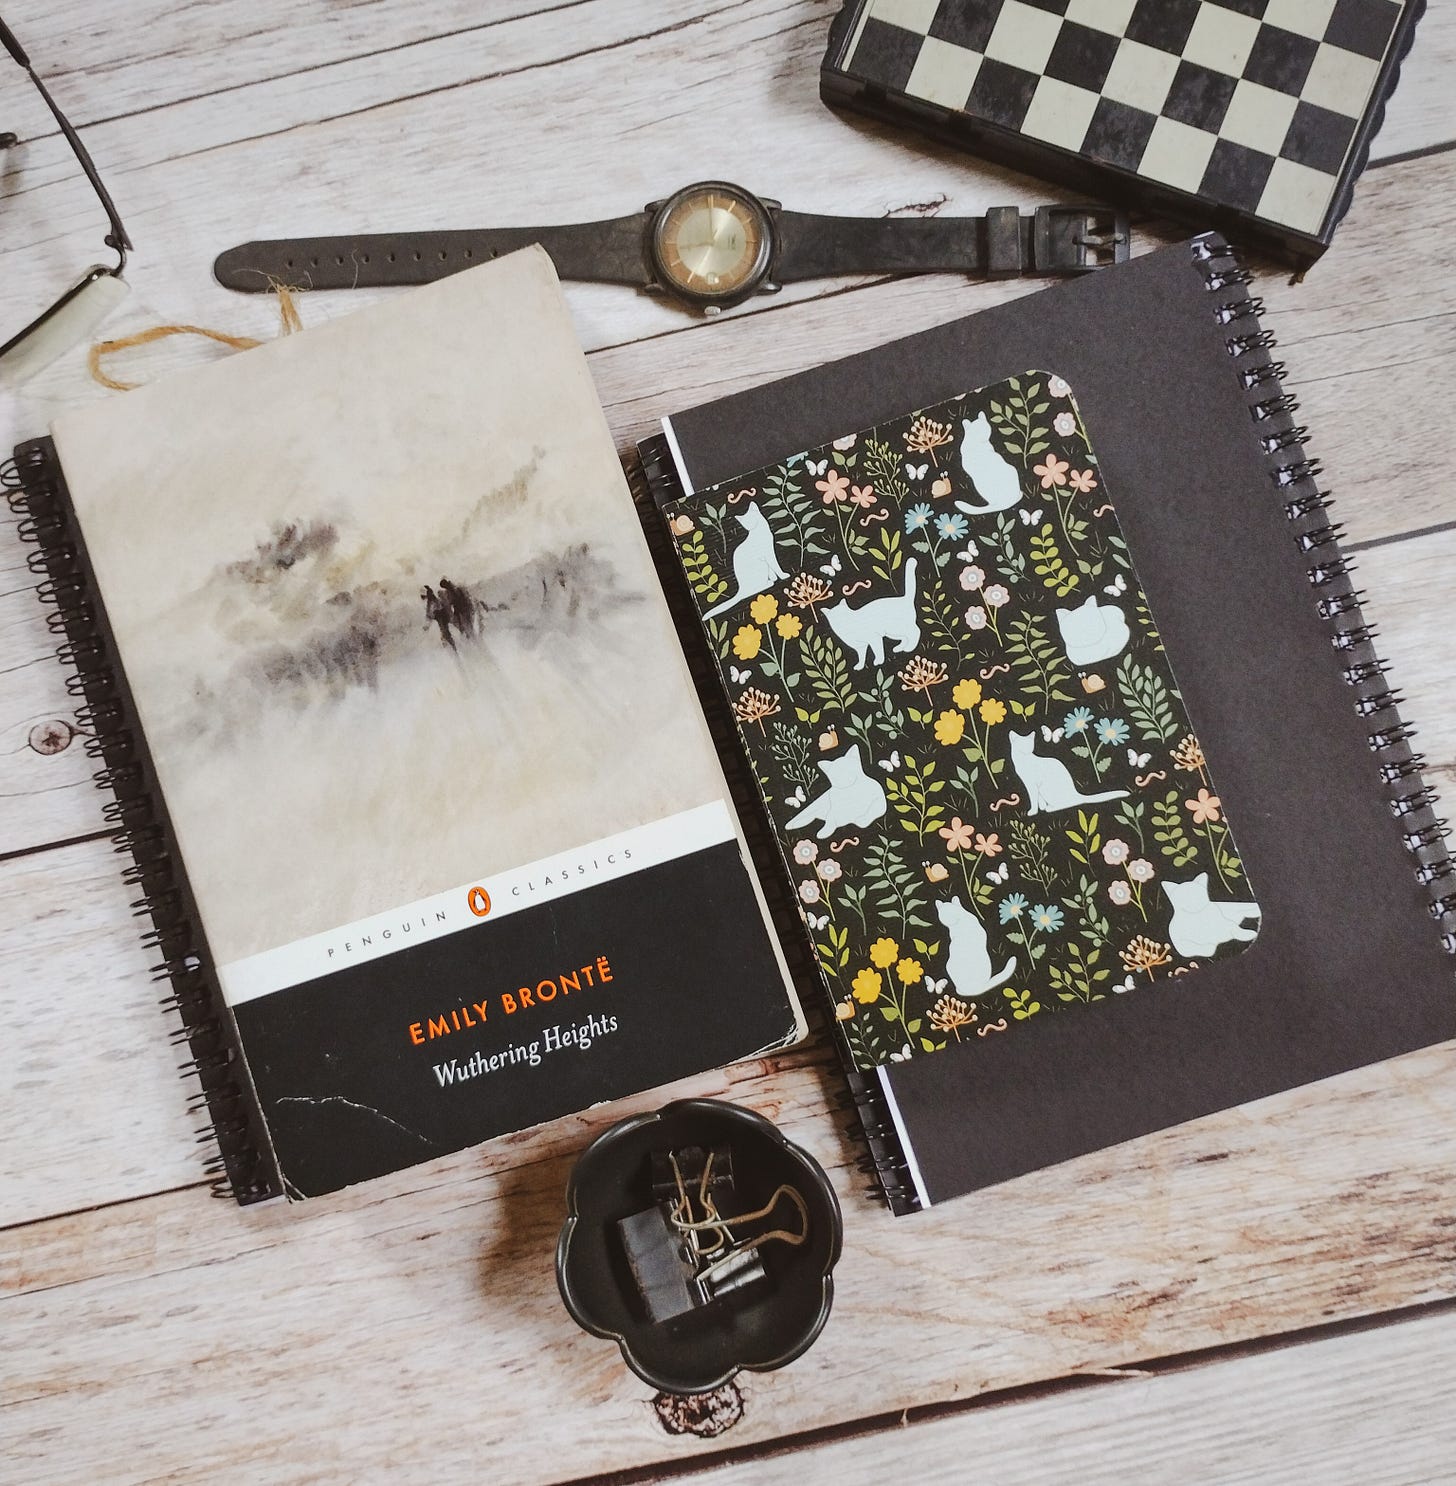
point(1227, 531)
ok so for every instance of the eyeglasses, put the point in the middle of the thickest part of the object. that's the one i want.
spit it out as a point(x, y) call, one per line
point(99, 290)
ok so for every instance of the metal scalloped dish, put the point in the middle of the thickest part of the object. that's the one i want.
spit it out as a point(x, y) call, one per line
point(699, 1351)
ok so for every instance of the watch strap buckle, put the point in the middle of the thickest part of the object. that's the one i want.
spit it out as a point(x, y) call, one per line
point(1078, 239)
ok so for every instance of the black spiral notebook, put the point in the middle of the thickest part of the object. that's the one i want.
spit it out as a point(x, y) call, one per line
point(402, 749)
point(1079, 767)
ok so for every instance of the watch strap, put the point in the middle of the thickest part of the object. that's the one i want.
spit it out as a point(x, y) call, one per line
point(1002, 244)
point(612, 251)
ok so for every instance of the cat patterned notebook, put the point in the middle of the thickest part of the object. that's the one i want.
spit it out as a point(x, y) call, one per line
point(983, 779)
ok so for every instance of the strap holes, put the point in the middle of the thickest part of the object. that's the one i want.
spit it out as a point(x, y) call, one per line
point(288, 263)
point(339, 259)
point(365, 258)
point(443, 255)
point(313, 262)
point(417, 255)
point(470, 252)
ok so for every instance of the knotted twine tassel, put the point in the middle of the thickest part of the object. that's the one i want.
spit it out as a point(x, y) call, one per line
point(288, 318)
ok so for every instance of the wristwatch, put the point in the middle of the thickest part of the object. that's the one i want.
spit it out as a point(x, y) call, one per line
point(709, 246)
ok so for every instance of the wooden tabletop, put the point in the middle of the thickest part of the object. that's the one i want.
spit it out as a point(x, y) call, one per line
point(1270, 1291)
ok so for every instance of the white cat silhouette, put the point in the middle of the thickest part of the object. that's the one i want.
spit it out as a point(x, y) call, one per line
point(868, 629)
point(852, 799)
point(755, 564)
point(1049, 783)
point(994, 477)
point(969, 964)
point(1198, 926)
point(1092, 632)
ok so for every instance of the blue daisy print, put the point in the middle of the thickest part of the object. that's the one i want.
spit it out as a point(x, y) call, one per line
point(917, 518)
point(1046, 918)
point(951, 528)
point(1112, 730)
point(1077, 720)
point(1013, 907)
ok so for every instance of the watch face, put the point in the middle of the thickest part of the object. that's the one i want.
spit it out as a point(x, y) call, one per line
point(711, 243)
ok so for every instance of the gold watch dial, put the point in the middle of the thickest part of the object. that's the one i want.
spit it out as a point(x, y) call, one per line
point(711, 242)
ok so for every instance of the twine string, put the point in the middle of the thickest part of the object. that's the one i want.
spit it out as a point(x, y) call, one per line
point(289, 321)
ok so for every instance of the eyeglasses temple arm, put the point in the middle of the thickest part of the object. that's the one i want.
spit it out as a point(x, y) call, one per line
point(116, 239)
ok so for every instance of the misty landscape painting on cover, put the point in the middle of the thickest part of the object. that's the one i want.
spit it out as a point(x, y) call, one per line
point(372, 667)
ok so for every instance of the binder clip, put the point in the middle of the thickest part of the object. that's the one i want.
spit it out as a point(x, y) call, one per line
point(685, 1252)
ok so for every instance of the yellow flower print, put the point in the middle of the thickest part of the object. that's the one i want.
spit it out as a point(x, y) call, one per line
point(764, 607)
point(992, 711)
point(789, 626)
point(966, 694)
point(948, 728)
point(884, 953)
point(866, 986)
point(909, 971)
point(747, 641)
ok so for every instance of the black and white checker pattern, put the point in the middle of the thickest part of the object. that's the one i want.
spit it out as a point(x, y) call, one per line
point(1251, 104)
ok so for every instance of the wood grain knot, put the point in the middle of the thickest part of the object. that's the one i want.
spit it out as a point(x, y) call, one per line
point(706, 1415)
point(51, 737)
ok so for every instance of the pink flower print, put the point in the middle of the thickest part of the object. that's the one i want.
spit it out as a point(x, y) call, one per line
point(1120, 893)
point(976, 617)
point(862, 495)
point(833, 486)
point(1065, 423)
point(958, 835)
point(996, 595)
point(1053, 472)
point(972, 578)
point(1115, 853)
point(1082, 481)
point(1057, 387)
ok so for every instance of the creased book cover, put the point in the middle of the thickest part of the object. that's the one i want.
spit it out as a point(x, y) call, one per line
point(458, 838)
point(983, 780)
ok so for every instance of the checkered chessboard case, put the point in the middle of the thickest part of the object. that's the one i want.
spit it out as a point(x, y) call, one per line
point(1251, 115)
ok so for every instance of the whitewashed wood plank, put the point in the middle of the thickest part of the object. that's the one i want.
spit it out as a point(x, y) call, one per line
point(45, 776)
point(76, 976)
point(151, 53)
point(1420, 116)
point(413, 1326)
point(1412, 601)
point(1376, 1408)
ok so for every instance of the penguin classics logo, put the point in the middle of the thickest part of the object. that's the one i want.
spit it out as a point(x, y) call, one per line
point(479, 901)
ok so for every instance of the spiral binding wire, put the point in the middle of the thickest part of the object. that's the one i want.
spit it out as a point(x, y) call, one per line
point(1306, 505)
point(653, 478)
point(140, 831)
